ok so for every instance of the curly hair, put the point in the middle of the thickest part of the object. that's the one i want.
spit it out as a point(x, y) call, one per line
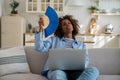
point(59, 32)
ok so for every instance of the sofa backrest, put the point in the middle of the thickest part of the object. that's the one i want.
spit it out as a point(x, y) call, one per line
point(107, 60)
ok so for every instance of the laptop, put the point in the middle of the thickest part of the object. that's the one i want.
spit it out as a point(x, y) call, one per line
point(66, 59)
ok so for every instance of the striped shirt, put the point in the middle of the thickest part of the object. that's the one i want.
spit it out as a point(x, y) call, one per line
point(68, 43)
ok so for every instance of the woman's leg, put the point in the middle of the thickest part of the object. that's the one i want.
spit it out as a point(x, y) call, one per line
point(89, 74)
point(56, 75)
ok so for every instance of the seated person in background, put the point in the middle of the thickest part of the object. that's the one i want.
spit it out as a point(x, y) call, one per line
point(64, 37)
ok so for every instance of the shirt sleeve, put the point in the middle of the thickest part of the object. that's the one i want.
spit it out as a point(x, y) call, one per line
point(40, 45)
point(87, 56)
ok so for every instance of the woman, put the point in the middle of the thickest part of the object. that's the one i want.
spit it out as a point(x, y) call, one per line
point(64, 37)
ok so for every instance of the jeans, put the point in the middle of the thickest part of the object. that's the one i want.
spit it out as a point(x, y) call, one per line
point(91, 73)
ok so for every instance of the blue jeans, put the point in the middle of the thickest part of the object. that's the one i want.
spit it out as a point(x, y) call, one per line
point(91, 73)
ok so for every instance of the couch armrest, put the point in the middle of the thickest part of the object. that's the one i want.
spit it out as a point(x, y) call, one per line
point(36, 60)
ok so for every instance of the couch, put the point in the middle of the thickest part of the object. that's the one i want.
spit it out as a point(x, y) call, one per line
point(105, 59)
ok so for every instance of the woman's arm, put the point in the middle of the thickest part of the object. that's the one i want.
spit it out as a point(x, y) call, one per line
point(40, 45)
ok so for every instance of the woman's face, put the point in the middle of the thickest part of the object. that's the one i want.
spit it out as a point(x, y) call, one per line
point(67, 26)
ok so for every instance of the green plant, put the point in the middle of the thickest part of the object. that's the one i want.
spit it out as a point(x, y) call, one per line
point(29, 26)
point(93, 8)
point(14, 5)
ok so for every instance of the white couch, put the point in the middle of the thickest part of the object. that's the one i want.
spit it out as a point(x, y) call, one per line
point(107, 60)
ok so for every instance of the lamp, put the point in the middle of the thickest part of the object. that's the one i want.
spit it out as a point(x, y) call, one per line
point(75, 3)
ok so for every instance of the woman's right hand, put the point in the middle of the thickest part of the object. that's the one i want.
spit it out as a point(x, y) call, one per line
point(41, 23)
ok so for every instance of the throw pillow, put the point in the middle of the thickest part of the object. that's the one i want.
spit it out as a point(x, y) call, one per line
point(13, 60)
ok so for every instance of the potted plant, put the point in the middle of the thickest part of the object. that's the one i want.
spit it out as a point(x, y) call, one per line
point(14, 5)
point(30, 27)
point(93, 9)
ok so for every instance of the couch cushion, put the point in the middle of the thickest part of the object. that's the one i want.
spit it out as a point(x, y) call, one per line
point(28, 76)
point(13, 60)
point(109, 77)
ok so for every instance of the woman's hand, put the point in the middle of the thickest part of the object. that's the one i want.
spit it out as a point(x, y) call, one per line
point(41, 23)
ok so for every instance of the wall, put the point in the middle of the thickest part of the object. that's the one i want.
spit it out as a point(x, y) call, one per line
point(1, 2)
point(80, 12)
point(30, 18)
point(0, 8)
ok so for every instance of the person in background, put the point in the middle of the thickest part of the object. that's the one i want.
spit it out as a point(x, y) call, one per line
point(64, 37)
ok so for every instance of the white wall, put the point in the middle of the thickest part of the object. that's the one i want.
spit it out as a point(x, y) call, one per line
point(1, 7)
point(1, 2)
point(30, 17)
point(81, 13)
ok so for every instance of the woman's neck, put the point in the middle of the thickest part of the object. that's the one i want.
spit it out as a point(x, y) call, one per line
point(68, 36)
